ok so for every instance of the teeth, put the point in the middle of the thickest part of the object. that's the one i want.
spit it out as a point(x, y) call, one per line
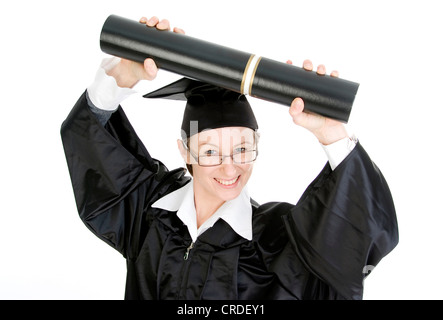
point(227, 182)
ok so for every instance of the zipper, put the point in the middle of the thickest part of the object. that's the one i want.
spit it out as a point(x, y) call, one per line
point(188, 250)
point(184, 273)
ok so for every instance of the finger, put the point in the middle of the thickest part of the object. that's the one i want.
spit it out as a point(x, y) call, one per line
point(178, 30)
point(297, 107)
point(143, 20)
point(296, 111)
point(164, 25)
point(289, 62)
point(152, 22)
point(334, 74)
point(307, 65)
point(321, 69)
point(150, 68)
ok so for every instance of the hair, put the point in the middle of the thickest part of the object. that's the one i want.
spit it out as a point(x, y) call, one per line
point(189, 167)
point(186, 142)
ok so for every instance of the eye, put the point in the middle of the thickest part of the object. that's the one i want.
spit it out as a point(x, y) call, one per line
point(240, 150)
point(243, 149)
point(209, 153)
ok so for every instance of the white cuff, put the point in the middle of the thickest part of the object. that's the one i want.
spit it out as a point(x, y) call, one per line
point(104, 92)
point(338, 151)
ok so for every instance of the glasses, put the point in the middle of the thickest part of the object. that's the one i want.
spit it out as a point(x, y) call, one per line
point(211, 158)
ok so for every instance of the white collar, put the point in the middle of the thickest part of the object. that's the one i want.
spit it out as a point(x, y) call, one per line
point(237, 212)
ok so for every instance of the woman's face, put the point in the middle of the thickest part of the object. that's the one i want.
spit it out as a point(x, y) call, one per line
point(225, 181)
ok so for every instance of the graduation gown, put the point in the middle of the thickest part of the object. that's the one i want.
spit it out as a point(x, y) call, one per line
point(319, 248)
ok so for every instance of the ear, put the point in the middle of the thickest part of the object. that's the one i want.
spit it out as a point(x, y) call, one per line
point(183, 151)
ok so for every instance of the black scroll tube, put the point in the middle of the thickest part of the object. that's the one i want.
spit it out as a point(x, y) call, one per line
point(225, 67)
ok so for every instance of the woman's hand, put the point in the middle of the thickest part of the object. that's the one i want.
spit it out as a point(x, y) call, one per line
point(326, 130)
point(128, 73)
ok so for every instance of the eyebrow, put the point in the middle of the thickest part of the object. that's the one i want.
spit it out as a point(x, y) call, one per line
point(207, 144)
point(203, 143)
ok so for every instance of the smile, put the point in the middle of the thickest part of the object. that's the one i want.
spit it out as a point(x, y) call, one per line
point(227, 183)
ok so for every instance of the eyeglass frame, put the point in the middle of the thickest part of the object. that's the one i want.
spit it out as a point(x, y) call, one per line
point(222, 157)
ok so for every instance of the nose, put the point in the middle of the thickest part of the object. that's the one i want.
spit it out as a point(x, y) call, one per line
point(228, 165)
point(227, 160)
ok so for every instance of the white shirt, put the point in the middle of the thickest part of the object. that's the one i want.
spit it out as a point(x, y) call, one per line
point(105, 94)
point(237, 212)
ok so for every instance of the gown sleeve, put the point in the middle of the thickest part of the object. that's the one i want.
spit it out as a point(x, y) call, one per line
point(113, 176)
point(344, 224)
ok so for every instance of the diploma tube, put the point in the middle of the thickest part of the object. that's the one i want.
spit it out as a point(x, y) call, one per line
point(228, 68)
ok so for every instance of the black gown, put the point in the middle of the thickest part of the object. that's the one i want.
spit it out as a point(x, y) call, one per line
point(318, 249)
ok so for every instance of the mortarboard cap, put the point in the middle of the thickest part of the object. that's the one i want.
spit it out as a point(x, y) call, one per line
point(208, 106)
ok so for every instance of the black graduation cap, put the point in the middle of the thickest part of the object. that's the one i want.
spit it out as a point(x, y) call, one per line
point(213, 107)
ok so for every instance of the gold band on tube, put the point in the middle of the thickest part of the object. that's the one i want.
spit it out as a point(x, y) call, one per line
point(253, 75)
point(242, 87)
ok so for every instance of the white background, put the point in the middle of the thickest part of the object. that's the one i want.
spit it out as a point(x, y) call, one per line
point(50, 53)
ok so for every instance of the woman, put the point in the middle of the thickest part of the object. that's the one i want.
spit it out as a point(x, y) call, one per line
point(204, 238)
